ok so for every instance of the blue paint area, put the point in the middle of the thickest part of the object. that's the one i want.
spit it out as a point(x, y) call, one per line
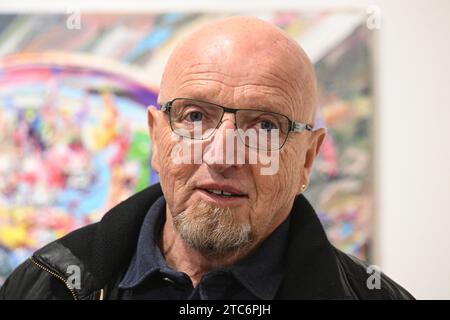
point(80, 202)
point(154, 177)
point(150, 42)
point(347, 229)
point(172, 17)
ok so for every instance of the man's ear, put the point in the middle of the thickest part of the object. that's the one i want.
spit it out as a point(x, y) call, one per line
point(314, 144)
point(151, 121)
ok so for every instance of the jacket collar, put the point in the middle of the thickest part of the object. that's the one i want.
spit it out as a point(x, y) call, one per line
point(312, 270)
point(103, 250)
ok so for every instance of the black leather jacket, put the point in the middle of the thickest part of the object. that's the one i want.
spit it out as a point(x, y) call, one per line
point(314, 269)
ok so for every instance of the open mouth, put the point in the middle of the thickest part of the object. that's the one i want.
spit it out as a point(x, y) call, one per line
point(222, 193)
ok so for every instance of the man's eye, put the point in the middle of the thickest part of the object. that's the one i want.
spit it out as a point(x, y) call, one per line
point(194, 116)
point(267, 125)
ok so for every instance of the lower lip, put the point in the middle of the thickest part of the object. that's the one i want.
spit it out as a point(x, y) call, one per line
point(219, 200)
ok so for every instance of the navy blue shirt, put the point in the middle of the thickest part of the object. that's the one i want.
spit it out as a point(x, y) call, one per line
point(257, 276)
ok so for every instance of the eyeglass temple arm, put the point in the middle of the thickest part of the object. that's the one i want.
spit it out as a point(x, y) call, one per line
point(165, 106)
point(300, 127)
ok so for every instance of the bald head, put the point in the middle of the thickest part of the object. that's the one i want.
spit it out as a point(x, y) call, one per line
point(235, 57)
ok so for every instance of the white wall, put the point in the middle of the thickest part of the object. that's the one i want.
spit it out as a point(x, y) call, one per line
point(413, 127)
point(413, 148)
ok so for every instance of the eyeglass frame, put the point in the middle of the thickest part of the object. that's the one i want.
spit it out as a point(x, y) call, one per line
point(294, 126)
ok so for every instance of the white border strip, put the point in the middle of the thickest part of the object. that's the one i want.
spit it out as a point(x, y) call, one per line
point(144, 6)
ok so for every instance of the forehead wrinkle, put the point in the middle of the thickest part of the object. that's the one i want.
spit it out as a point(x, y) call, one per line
point(270, 79)
point(266, 74)
point(246, 93)
point(291, 97)
point(283, 82)
point(201, 80)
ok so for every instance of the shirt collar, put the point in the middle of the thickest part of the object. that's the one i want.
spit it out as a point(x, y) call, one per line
point(148, 258)
point(261, 272)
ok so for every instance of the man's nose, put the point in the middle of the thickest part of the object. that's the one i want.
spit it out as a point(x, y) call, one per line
point(227, 123)
point(220, 151)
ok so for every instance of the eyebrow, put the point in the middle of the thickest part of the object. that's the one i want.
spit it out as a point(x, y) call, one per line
point(264, 108)
point(206, 95)
point(203, 98)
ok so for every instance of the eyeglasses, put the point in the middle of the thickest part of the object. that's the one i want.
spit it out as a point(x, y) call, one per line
point(257, 129)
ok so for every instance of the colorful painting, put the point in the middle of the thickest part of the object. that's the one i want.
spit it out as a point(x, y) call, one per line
point(74, 141)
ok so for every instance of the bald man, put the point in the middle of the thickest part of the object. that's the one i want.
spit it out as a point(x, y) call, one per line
point(234, 144)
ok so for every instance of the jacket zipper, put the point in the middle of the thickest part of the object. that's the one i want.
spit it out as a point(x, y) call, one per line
point(102, 295)
point(57, 276)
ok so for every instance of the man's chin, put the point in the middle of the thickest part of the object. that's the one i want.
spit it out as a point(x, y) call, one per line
point(212, 230)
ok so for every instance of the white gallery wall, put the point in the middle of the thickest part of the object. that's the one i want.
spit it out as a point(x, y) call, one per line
point(412, 151)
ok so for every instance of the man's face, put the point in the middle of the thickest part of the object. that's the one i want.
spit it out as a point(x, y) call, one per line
point(232, 74)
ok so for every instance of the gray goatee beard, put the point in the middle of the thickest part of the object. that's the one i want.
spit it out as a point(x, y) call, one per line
point(212, 230)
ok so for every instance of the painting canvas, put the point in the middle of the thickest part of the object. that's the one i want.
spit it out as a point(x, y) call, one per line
point(74, 141)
